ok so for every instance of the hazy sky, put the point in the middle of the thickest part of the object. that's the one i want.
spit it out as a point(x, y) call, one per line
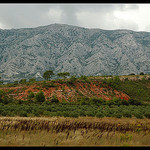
point(90, 15)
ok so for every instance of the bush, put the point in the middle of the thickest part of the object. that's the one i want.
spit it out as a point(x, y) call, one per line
point(4, 113)
point(127, 114)
point(84, 78)
point(141, 73)
point(114, 101)
point(46, 113)
point(65, 114)
point(72, 80)
point(46, 103)
point(134, 102)
point(95, 101)
point(1, 95)
point(82, 113)
point(23, 81)
point(74, 114)
point(90, 113)
point(138, 115)
point(31, 95)
point(32, 80)
point(48, 85)
point(117, 115)
point(99, 115)
point(54, 99)
point(40, 97)
point(124, 102)
point(147, 114)
point(23, 113)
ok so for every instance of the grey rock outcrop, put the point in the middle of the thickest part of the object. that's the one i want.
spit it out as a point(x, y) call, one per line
point(28, 52)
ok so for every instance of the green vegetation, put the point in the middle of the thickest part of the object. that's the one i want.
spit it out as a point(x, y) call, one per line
point(48, 74)
point(63, 74)
point(38, 105)
point(1, 82)
point(55, 108)
point(137, 89)
point(93, 120)
point(40, 97)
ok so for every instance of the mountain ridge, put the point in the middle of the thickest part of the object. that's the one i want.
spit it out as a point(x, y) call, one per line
point(28, 52)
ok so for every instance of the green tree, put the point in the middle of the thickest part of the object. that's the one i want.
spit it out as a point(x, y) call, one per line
point(40, 97)
point(48, 74)
point(23, 81)
point(72, 79)
point(63, 74)
point(1, 82)
point(141, 73)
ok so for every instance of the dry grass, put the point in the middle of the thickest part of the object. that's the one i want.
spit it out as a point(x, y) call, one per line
point(83, 131)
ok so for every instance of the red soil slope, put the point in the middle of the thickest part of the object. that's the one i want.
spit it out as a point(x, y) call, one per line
point(67, 92)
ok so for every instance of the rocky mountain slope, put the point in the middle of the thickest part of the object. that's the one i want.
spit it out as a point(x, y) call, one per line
point(28, 52)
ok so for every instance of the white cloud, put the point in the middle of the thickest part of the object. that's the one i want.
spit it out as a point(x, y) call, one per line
point(1, 26)
point(55, 15)
point(139, 17)
point(104, 16)
point(104, 21)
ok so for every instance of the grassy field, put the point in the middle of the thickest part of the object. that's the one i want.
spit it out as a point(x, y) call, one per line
point(82, 131)
point(89, 111)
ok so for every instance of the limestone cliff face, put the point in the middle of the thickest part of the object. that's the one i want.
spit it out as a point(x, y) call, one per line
point(28, 52)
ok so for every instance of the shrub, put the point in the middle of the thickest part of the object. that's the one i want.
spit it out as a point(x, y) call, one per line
point(138, 115)
point(95, 101)
point(72, 80)
point(48, 85)
point(65, 114)
point(90, 113)
point(141, 73)
point(99, 115)
point(134, 102)
point(132, 74)
point(46, 103)
point(32, 80)
point(84, 78)
point(82, 113)
point(40, 97)
point(1, 95)
point(74, 114)
point(46, 113)
point(54, 99)
point(117, 115)
point(20, 101)
point(4, 113)
point(23, 113)
point(147, 114)
point(83, 101)
point(127, 114)
point(35, 113)
point(124, 102)
point(23, 81)
point(31, 95)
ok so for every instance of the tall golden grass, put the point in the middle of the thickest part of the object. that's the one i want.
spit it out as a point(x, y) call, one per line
point(79, 131)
